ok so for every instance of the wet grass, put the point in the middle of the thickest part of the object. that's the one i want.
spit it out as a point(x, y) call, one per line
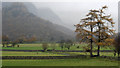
point(61, 62)
point(57, 47)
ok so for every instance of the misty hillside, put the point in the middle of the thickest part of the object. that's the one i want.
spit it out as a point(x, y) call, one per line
point(45, 13)
point(17, 21)
point(48, 14)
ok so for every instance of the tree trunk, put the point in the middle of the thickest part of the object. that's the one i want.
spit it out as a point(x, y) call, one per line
point(98, 51)
point(17, 45)
point(91, 43)
point(3, 45)
point(91, 50)
point(7, 44)
point(118, 54)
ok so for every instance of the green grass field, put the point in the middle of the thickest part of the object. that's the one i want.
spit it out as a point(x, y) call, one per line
point(56, 62)
point(57, 47)
point(13, 53)
point(86, 53)
point(61, 62)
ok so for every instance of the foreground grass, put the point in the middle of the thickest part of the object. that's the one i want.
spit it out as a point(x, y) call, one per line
point(61, 62)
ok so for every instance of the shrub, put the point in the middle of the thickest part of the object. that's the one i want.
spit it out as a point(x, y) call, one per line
point(67, 45)
point(78, 47)
point(53, 46)
point(62, 44)
point(44, 46)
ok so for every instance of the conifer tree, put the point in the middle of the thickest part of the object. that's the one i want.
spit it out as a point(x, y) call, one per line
point(96, 27)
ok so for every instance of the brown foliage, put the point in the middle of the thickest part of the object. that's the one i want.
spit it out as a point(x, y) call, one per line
point(96, 27)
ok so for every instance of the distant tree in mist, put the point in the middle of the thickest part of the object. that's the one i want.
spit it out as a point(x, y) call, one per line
point(44, 46)
point(62, 43)
point(32, 39)
point(5, 40)
point(68, 44)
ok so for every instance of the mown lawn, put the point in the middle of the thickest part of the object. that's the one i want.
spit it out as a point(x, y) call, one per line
point(62, 62)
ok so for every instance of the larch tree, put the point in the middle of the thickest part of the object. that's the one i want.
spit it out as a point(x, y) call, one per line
point(96, 27)
point(85, 29)
point(104, 29)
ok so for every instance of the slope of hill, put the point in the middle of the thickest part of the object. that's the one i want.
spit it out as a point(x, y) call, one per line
point(17, 21)
point(47, 14)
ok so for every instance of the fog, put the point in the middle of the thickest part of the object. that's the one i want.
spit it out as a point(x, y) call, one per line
point(70, 12)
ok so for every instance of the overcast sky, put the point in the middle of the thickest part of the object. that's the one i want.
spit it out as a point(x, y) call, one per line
point(71, 11)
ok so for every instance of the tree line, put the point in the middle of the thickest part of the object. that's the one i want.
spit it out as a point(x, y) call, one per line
point(6, 41)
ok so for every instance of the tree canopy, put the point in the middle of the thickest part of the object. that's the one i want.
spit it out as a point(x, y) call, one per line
point(97, 27)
